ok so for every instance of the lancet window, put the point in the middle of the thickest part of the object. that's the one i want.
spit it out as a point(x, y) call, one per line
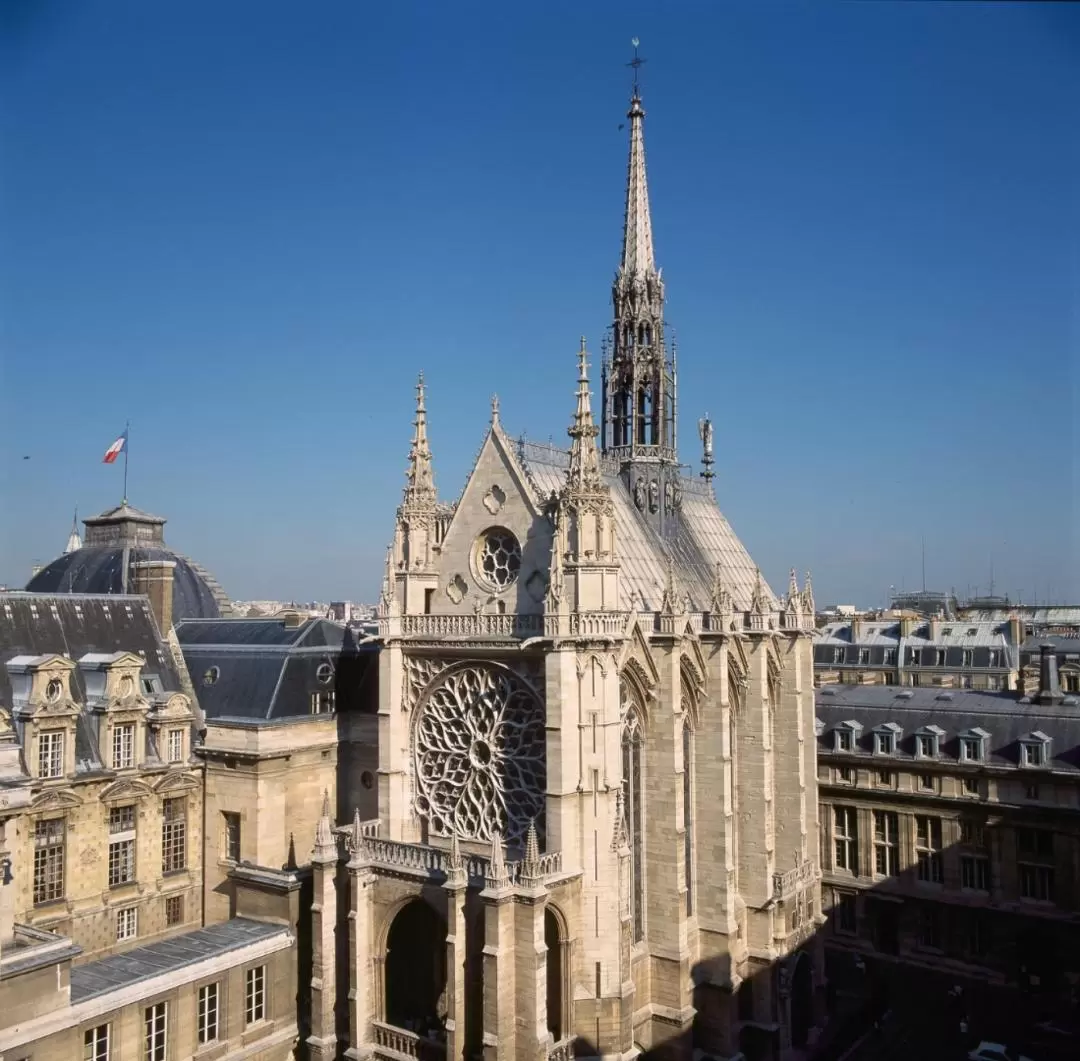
point(633, 740)
point(688, 811)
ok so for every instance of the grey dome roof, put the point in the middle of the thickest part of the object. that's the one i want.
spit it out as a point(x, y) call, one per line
point(126, 535)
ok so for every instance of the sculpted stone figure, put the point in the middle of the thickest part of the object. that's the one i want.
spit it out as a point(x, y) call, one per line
point(639, 494)
point(654, 496)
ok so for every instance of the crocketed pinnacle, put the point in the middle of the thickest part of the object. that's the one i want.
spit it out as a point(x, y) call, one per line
point(637, 249)
point(356, 837)
point(758, 602)
point(421, 485)
point(808, 597)
point(325, 843)
point(497, 876)
point(584, 458)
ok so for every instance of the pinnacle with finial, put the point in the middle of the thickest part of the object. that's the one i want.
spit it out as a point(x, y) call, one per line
point(356, 837)
point(497, 877)
point(584, 459)
point(325, 843)
point(420, 474)
point(808, 596)
point(494, 409)
point(532, 844)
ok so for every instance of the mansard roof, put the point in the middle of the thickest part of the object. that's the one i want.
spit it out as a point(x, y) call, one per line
point(268, 668)
point(1007, 720)
point(703, 540)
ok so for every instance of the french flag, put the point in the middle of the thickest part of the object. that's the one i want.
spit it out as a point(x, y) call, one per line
point(115, 449)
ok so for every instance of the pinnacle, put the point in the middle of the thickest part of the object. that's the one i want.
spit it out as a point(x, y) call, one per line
point(532, 845)
point(584, 459)
point(637, 253)
point(420, 474)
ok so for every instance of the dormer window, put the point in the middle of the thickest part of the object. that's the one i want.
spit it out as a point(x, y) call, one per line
point(973, 746)
point(864, 656)
point(993, 658)
point(1035, 750)
point(51, 753)
point(913, 657)
point(886, 738)
point(845, 735)
point(838, 655)
point(54, 690)
point(928, 742)
point(941, 657)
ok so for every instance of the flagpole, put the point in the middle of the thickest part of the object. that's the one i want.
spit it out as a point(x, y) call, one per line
point(127, 443)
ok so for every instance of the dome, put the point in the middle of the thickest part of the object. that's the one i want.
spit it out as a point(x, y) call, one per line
point(119, 539)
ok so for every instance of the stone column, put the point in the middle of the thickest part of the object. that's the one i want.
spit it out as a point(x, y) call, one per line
point(455, 885)
point(323, 1039)
point(363, 967)
point(500, 982)
point(531, 950)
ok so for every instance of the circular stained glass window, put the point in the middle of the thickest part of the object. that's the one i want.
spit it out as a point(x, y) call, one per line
point(498, 557)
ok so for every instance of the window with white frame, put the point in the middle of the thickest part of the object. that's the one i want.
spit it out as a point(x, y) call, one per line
point(176, 746)
point(928, 742)
point(838, 655)
point(844, 736)
point(255, 994)
point(884, 742)
point(1034, 750)
point(49, 847)
point(156, 1032)
point(121, 845)
point(209, 998)
point(973, 746)
point(845, 840)
point(127, 923)
point(96, 1043)
point(51, 753)
point(968, 657)
point(928, 849)
point(173, 835)
point(886, 843)
point(123, 746)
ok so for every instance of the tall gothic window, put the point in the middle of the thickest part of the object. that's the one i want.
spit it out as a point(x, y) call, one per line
point(688, 812)
point(634, 802)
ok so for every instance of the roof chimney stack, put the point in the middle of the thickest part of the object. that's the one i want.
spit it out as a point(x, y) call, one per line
point(155, 579)
point(1049, 683)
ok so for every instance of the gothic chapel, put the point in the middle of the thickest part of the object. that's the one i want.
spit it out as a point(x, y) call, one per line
point(597, 825)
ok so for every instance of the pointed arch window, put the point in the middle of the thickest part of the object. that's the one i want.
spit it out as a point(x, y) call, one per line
point(688, 811)
point(633, 740)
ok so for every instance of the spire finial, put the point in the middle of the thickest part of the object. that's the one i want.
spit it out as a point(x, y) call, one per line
point(636, 64)
point(705, 431)
point(494, 409)
point(584, 459)
point(421, 477)
point(497, 876)
point(808, 598)
point(325, 842)
point(356, 837)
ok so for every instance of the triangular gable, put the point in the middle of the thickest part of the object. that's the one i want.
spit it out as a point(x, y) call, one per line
point(636, 650)
point(125, 789)
point(55, 799)
point(176, 783)
point(694, 657)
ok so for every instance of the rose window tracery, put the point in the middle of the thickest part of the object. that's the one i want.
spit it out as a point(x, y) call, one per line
point(498, 557)
point(479, 754)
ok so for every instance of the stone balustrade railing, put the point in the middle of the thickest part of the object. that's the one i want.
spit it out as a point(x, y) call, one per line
point(431, 861)
point(469, 625)
point(597, 624)
point(562, 1050)
point(788, 883)
point(396, 1043)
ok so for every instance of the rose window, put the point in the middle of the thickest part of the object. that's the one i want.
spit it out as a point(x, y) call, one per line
point(479, 755)
point(498, 557)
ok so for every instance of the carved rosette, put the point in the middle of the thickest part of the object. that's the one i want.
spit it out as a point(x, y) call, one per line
point(479, 754)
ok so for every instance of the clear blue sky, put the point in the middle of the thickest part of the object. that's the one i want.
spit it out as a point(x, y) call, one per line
point(245, 227)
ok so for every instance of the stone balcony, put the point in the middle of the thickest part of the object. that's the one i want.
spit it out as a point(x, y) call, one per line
point(786, 884)
point(431, 863)
point(398, 1044)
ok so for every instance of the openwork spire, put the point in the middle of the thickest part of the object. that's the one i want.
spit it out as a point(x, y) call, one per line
point(421, 485)
point(637, 248)
point(584, 459)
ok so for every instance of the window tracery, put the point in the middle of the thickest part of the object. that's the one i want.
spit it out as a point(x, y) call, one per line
point(479, 755)
point(633, 740)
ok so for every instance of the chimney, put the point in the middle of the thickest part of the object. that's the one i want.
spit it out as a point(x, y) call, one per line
point(935, 627)
point(292, 620)
point(154, 578)
point(907, 625)
point(1049, 684)
point(1016, 631)
point(856, 629)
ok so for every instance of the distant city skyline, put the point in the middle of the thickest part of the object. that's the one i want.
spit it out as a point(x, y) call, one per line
point(247, 229)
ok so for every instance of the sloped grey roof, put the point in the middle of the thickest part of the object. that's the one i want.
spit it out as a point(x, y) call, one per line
point(143, 963)
point(956, 711)
point(704, 538)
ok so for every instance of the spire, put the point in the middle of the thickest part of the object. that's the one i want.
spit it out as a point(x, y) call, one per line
point(388, 598)
point(325, 842)
point(421, 486)
point(356, 835)
point(531, 874)
point(455, 864)
point(584, 460)
point(497, 876)
point(74, 541)
point(808, 599)
point(759, 603)
point(793, 605)
point(637, 248)
point(720, 605)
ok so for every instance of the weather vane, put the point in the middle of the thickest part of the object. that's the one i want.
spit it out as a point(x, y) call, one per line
point(636, 63)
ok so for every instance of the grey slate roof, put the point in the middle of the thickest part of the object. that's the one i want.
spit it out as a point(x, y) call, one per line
point(265, 669)
point(1005, 717)
point(143, 963)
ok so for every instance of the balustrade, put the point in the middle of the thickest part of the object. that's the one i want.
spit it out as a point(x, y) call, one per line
point(562, 1050)
point(433, 861)
point(395, 1043)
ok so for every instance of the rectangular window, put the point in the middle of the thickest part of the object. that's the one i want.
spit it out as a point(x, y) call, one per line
point(975, 873)
point(968, 657)
point(1031, 792)
point(174, 910)
point(208, 1013)
point(322, 703)
point(928, 849)
point(176, 746)
point(51, 753)
point(96, 1043)
point(926, 747)
point(127, 923)
point(930, 928)
point(972, 833)
point(845, 774)
point(48, 860)
point(1033, 754)
point(843, 740)
point(846, 915)
point(255, 994)
point(121, 845)
point(926, 782)
point(173, 835)
point(232, 836)
point(1036, 882)
point(890, 657)
point(941, 657)
point(885, 777)
point(845, 839)
point(864, 656)
point(883, 743)
point(1035, 842)
point(971, 786)
point(156, 1028)
point(977, 941)
point(838, 655)
point(970, 750)
point(886, 843)
point(123, 746)
point(993, 658)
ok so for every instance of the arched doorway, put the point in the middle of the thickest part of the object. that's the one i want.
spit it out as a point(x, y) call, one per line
point(416, 970)
point(802, 1002)
point(553, 942)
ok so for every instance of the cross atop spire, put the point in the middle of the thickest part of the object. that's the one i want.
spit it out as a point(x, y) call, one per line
point(584, 459)
point(421, 486)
